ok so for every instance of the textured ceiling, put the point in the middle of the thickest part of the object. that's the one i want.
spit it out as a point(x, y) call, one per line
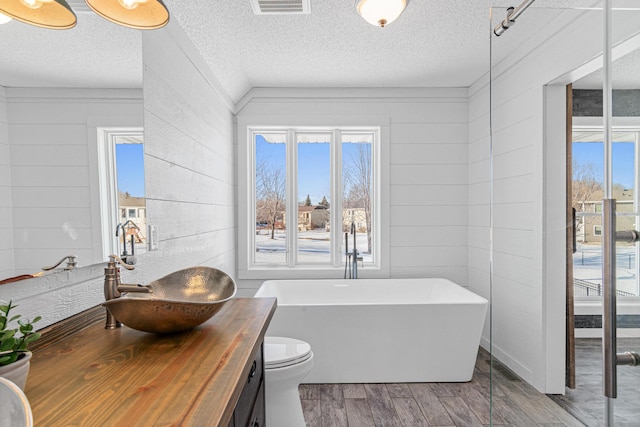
point(434, 43)
point(95, 53)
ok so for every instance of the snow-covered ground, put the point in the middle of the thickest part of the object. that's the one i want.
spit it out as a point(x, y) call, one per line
point(314, 246)
point(587, 265)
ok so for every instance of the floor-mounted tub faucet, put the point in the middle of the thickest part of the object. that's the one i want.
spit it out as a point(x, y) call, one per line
point(114, 289)
point(351, 259)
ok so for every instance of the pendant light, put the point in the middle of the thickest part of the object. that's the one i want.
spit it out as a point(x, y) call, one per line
point(4, 19)
point(52, 14)
point(380, 12)
point(140, 14)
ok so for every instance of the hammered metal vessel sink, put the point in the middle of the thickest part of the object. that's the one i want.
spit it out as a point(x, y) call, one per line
point(177, 302)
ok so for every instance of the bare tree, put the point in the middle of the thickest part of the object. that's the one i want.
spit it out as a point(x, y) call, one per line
point(585, 184)
point(358, 184)
point(270, 194)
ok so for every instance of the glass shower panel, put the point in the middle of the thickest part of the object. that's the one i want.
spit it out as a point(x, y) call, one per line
point(625, 123)
point(532, 175)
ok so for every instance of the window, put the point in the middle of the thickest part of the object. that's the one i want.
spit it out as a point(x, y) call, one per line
point(597, 230)
point(314, 193)
point(121, 174)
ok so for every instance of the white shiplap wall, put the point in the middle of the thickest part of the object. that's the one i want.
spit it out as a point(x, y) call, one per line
point(189, 159)
point(189, 177)
point(52, 134)
point(6, 212)
point(425, 201)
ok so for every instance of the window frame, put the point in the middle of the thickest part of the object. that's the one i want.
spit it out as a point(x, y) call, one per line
point(247, 268)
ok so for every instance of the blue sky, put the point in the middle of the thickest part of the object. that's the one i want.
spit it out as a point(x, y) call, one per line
point(314, 166)
point(314, 172)
point(130, 164)
point(622, 159)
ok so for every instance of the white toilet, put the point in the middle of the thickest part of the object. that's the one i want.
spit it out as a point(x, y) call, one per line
point(286, 362)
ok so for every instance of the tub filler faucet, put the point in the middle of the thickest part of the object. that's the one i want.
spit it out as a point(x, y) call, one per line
point(351, 259)
point(72, 262)
point(114, 289)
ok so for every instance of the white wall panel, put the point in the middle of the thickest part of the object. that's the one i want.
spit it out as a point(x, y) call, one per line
point(414, 236)
point(429, 174)
point(188, 160)
point(430, 133)
point(438, 154)
point(429, 194)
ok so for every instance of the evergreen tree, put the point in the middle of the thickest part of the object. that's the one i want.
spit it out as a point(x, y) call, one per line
point(324, 203)
point(308, 201)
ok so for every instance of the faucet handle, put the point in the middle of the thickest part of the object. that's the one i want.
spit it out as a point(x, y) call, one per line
point(71, 263)
point(113, 259)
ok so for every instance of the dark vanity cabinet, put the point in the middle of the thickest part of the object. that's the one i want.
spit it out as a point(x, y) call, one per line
point(250, 409)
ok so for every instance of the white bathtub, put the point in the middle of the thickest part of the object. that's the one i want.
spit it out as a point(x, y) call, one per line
point(381, 330)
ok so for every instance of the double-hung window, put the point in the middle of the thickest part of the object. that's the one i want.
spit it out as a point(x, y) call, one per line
point(313, 196)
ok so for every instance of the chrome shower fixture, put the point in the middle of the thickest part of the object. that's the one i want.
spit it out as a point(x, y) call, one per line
point(512, 15)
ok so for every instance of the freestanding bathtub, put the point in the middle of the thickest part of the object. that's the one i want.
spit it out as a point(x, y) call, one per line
point(381, 330)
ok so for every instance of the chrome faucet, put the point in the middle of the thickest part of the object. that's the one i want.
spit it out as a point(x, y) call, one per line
point(72, 262)
point(114, 289)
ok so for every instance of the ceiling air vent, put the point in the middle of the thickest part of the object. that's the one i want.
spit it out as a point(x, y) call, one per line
point(280, 7)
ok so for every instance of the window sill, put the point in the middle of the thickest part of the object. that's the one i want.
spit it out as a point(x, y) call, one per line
point(309, 272)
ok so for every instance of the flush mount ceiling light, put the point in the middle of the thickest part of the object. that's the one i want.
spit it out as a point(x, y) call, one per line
point(53, 14)
point(58, 15)
point(140, 14)
point(380, 12)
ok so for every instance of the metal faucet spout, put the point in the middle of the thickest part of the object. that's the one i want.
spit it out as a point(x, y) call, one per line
point(113, 288)
point(134, 288)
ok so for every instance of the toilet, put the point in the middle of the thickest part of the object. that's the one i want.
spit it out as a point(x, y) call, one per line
point(286, 362)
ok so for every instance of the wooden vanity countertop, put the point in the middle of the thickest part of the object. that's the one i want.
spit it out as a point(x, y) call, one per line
point(123, 377)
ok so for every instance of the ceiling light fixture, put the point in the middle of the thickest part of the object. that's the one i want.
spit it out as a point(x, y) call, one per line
point(58, 15)
point(4, 19)
point(380, 12)
point(53, 14)
point(140, 14)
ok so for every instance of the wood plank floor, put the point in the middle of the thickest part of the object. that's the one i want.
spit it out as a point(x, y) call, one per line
point(586, 402)
point(515, 403)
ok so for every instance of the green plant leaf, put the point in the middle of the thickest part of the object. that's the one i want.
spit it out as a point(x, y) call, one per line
point(8, 359)
point(38, 318)
point(32, 337)
point(9, 333)
point(7, 344)
point(25, 328)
